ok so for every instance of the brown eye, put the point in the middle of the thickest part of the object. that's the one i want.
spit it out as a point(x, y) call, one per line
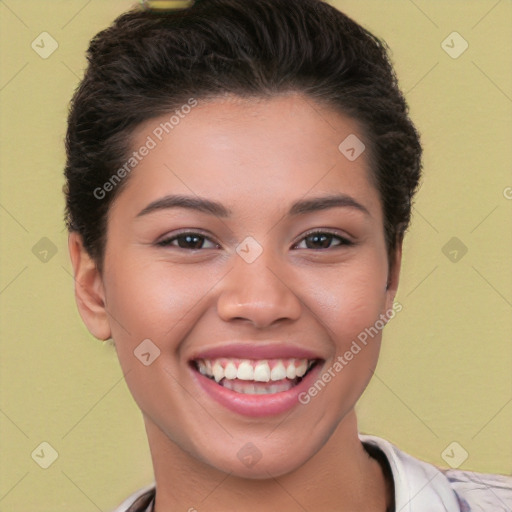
point(321, 240)
point(191, 241)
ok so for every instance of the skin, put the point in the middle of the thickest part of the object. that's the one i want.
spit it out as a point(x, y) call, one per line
point(256, 157)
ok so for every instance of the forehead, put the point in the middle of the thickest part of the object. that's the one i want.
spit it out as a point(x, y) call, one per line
point(236, 150)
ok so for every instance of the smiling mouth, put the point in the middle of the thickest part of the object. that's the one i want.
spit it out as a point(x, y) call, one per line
point(255, 376)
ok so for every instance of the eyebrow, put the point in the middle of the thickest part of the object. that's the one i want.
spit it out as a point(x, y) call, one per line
point(323, 203)
point(300, 207)
point(190, 202)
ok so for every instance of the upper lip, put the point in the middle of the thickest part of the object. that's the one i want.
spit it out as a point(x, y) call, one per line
point(270, 350)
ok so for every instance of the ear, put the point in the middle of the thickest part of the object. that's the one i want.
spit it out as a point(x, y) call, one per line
point(89, 290)
point(395, 264)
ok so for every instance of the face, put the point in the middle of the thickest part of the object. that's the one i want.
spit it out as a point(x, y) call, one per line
point(249, 253)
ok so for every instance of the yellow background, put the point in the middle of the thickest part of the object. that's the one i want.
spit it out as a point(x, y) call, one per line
point(445, 372)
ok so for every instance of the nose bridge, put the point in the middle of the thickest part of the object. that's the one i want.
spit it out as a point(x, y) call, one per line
point(263, 274)
point(257, 290)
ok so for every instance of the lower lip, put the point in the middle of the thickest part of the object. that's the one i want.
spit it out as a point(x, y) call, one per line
point(257, 405)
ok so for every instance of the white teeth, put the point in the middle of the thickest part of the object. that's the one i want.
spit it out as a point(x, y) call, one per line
point(282, 386)
point(218, 371)
point(247, 388)
point(245, 371)
point(202, 368)
point(230, 372)
point(278, 372)
point(262, 372)
point(290, 372)
point(228, 384)
point(301, 370)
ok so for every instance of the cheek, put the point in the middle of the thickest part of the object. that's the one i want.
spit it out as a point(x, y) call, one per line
point(155, 302)
point(346, 302)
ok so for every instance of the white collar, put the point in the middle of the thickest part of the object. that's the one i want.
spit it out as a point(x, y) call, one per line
point(419, 486)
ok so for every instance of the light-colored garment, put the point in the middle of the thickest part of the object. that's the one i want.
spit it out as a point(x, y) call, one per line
point(419, 486)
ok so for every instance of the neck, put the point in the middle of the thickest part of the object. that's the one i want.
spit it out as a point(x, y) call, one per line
point(341, 476)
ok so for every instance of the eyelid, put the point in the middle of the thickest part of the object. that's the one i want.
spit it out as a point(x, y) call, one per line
point(344, 238)
point(164, 241)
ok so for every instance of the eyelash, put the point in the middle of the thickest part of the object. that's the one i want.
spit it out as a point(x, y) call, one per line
point(343, 241)
point(167, 242)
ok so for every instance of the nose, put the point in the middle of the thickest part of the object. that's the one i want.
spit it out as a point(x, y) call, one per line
point(257, 293)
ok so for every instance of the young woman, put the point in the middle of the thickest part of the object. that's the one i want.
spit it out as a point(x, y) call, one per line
point(239, 181)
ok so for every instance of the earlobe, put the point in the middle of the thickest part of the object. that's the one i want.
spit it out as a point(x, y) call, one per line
point(89, 290)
